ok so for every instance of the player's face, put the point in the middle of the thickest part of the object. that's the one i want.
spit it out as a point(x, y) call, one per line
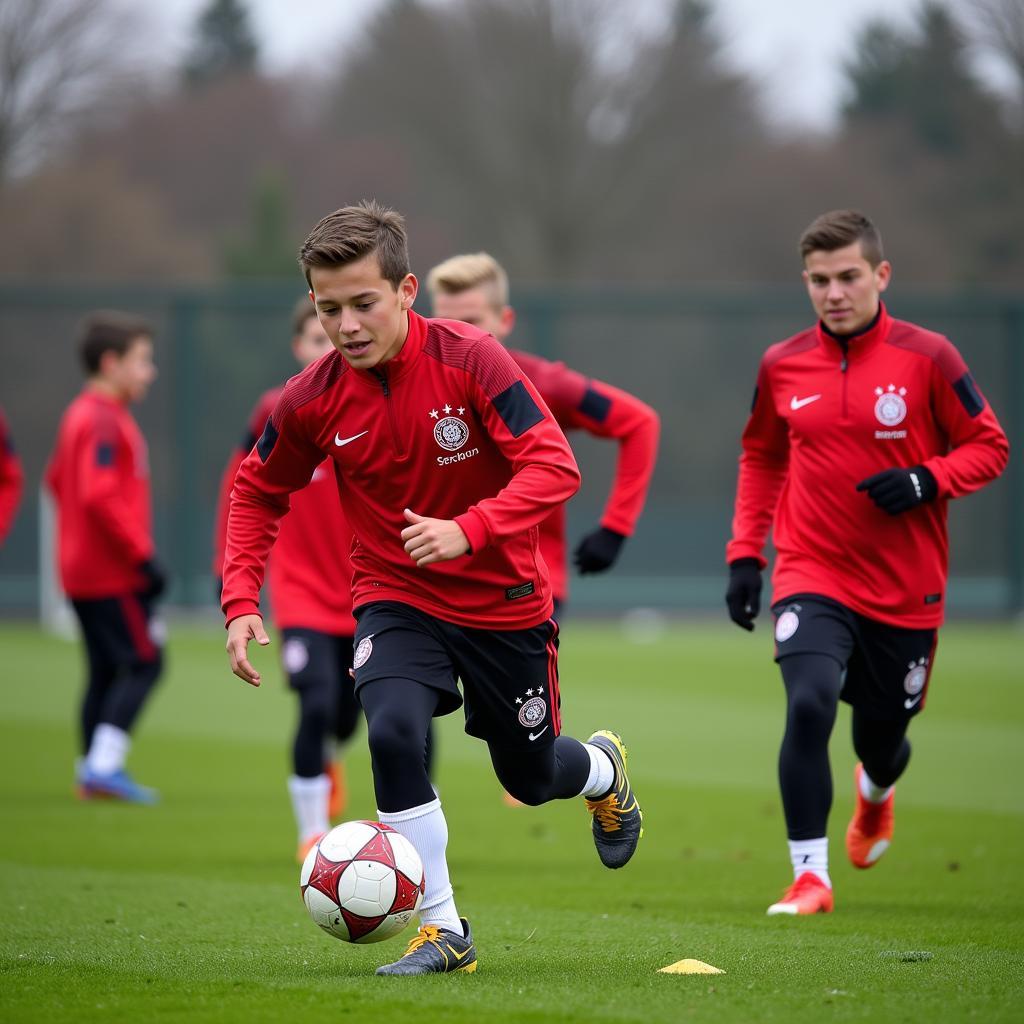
point(844, 288)
point(365, 316)
point(477, 307)
point(312, 343)
point(131, 375)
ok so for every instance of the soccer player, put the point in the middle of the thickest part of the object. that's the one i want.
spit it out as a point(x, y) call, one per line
point(11, 480)
point(99, 476)
point(474, 289)
point(447, 459)
point(862, 429)
point(311, 602)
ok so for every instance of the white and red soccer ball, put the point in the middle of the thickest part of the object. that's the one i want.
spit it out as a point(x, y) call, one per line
point(362, 882)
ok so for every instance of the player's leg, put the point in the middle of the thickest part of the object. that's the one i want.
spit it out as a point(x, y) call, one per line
point(813, 644)
point(307, 657)
point(896, 666)
point(101, 670)
point(126, 630)
point(346, 718)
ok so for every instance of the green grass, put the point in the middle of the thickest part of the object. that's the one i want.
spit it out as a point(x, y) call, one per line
point(190, 910)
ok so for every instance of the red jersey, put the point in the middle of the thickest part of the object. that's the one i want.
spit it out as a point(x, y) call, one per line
point(11, 480)
point(309, 568)
point(578, 403)
point(828, 414)
point(450, 428)
point(99, 474)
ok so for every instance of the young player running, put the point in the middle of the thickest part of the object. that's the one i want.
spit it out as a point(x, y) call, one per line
point(11, 480)
point(862, 429)
point(447, 460)
point(99, 476)
point(473, 288)
point(311, 602)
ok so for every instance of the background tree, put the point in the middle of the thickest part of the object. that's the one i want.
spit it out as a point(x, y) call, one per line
point(269, 245)
point(223, 44)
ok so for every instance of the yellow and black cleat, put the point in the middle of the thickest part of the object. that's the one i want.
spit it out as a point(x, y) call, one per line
point(618, 821)
point(436, 951)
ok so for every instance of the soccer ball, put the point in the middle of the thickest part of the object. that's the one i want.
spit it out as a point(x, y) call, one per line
point(362, 882)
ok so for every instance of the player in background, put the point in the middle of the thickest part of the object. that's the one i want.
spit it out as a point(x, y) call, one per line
point(862, 429)
point(11, 480)
point(311, 602)
point(99, 476)
point(447, 459)
point(473, 288)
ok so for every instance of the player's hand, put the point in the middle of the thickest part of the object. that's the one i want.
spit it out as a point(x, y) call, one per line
point(598, 550)
point(155, 577)
point(744, 594)
point(897, 490)
point(240, 632)
point(432, 540)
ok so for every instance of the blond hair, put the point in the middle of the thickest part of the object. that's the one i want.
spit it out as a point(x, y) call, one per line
point(471, 270)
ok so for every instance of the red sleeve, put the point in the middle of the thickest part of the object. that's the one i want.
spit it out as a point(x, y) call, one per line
point(257, 420)
point(11, 480)
point(979, 448)
point(764, 463)
point(544, 471)
point(104, 458)
point(282, 462)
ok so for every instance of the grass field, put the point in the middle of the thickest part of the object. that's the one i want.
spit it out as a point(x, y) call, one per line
point(190, 910)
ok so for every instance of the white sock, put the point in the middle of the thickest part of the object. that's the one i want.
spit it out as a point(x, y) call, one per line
point(425, 827)
point(872, 793)
point(810, 855)
point(602, 773)
point(108, 749)
point(309, 802)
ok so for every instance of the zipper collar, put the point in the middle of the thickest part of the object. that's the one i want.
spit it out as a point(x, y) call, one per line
point(843, 347)
point(399, 365)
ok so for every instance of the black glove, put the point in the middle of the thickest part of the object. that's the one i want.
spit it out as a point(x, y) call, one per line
point(155, 578)
point(598, 550)
point(896, 490)
point(744, 594)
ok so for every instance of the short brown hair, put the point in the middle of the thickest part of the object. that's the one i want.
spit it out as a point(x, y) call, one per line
point(109, 331)
point(301, 312)
point(471, 270)
point(839, 228)
point(353, 232)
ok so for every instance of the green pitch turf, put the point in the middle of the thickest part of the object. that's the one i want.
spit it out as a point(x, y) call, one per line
point(190, 910)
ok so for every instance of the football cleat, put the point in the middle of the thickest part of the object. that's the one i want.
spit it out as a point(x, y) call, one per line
point(436, 951)
point(807, 895)
point(305, 845)
point(117, 785)
point(335, 771)
point(618, 821)
point(870, 830)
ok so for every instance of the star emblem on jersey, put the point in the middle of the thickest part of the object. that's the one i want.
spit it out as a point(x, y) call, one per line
point(890, 407)
point(450, 433)
point(916, 676)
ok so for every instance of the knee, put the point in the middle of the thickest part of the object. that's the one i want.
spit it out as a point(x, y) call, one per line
point(811, 711)
point(315, 707)
point(393, 738)
point(530, 786)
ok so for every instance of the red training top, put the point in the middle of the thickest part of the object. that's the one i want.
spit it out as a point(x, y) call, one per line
point(11, 480)
point(591, 405)
point(826, 417)
point(99, 474)
point(450, 428)
point(309, 568)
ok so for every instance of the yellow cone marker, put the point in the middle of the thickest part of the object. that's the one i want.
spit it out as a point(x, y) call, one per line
point(689, 967)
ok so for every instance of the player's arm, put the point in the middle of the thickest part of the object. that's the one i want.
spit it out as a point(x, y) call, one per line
point(544, 471)
point(764, 462)
point(282, 462)
point(978, 451)
point(12, 480)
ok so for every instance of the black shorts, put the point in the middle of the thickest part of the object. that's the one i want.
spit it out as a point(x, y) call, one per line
point(886, 668)
point(311, 658)
point(120, 631)
point(509, 677)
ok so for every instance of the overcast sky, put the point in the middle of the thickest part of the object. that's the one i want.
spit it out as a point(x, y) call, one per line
point(794, 48)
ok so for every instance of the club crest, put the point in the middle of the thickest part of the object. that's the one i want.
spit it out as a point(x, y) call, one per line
point(363, 652)
point(450, 432)
point(532, 712)
point(915, 679)
point(786, 625)
point(890, 407)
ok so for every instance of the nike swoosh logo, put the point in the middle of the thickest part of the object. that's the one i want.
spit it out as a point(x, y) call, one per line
point(798, 403)
point(459, 956)
point(342, 441)
point(911, 701)
point(537, 736)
